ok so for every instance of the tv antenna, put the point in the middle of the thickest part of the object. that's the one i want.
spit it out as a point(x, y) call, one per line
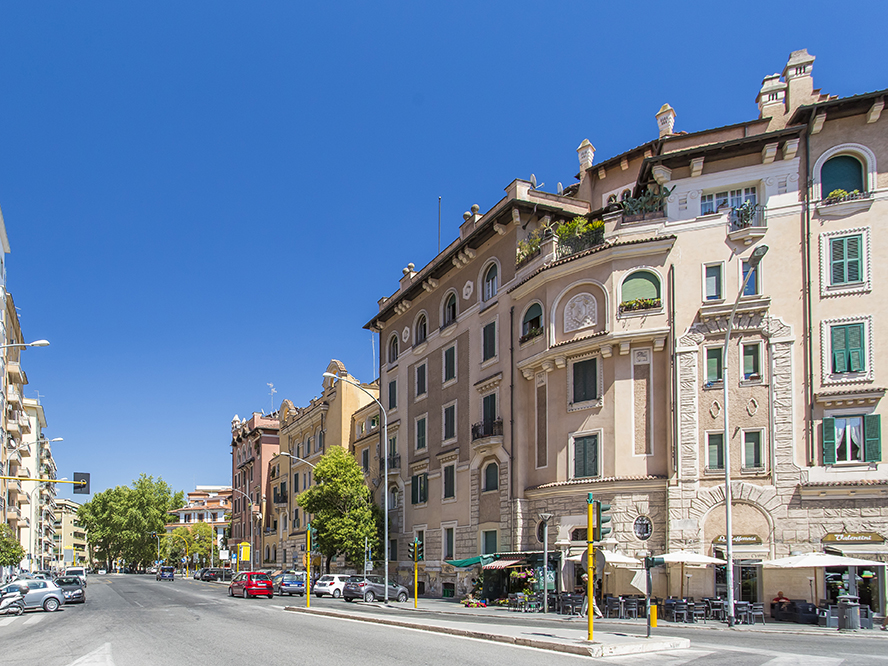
point(271, 393)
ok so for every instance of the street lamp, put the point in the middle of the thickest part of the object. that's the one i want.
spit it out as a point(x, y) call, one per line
point(36, 343)
point(383, 445)
point(545, 517)
point(250, 502)
point(753, 262)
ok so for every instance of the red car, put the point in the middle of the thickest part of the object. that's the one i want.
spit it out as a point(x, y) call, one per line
point(250, 584)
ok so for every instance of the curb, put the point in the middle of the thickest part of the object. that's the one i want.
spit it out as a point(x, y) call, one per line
point(582, 648)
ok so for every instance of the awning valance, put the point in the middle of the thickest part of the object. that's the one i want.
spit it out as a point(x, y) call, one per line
point(503, 564)
point(470, 562)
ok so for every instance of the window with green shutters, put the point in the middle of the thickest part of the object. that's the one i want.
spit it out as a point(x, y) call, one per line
point(842, 172)
point(421, 433)
point(585, 380)
point(488, 341)
point(852, 439)
point(848, 354)
point(641, 284)
point(586, 456)
point(488, 542)
point(449, 422)
point(488, 408)
point(449, 481)
point(715, 450)
point(491, 477)
point(449, 364)
point(421, 388)
point(751, 360)
point(393, 394)
point(844, 257)
point(419, 488)
point(713, 364)
point(752, 449)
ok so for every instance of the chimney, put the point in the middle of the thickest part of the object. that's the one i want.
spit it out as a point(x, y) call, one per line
point(770, 101)
point(586, 153)
point(799, 82)
point(666, 120)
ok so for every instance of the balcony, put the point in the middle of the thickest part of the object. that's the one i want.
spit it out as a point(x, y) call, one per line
point(13, 396)
point(487, 433)
point(394, 463)
point(842, 204)
point(279, 497)
point(24, 423)
point(747, 223)
point(14, 371)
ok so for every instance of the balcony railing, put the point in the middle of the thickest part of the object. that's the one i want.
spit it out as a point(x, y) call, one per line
point(487, 429)
point(747, 216)
point(279, 498)
point(394, 462)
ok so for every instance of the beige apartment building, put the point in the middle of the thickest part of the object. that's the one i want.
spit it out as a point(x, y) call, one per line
point(206, 504)
point(526, 367)
point(70, 536)
point(39, 509)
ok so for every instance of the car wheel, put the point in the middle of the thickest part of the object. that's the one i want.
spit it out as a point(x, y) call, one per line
point(245, 593)
point(271, 596)
point(348, 599)
point(336, 594)
point(19, 609)
point(402, 597)
point(318, 595)
point(51, 605)
point(230, 592)
point(369, 596)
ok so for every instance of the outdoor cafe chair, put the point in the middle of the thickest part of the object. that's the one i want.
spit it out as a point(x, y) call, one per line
point(699, 611)
point(680, 609)
point(630, 609)
point(757, 610)
point(741, 612)
point(533, 603)
point(612, 606)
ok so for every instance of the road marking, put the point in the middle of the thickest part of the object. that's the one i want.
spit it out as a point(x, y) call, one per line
point(98, 657)
point(662, 658)
point(34, 619)
point(6, 621)
point(802, 660)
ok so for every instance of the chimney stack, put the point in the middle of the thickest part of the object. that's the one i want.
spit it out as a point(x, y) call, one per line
point(771, 100)
point(799, 81)
point(586, 153)
point(666, 120)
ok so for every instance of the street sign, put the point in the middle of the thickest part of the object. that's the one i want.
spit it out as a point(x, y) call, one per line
point(223, 554)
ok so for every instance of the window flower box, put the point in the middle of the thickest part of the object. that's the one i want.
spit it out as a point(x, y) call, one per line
point(640, 304)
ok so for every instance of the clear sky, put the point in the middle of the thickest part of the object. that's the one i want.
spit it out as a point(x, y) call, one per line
point(205, 197)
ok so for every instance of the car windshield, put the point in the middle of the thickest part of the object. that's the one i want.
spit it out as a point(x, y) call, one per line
point(166, 569)
point(355, 579)
point(325, 579)
point(261, 577)
point(70, 580)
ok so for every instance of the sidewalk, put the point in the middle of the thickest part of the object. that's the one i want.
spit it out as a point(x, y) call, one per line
point(524, 629)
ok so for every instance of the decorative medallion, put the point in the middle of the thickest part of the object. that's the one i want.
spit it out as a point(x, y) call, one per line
point(468, 288)
point(643, 528)
point(715, 409)
point(752, 407)
point(405, 334)
point(580, 312)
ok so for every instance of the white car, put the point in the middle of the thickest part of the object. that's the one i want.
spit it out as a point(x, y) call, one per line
point(331, 584)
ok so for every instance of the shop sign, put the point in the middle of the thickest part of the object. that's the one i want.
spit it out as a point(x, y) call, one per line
point(854, 537)
point(738, 539)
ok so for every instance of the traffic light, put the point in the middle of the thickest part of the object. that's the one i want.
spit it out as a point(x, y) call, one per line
point(81, 483)
point(313, 537)
point(601, 519)
point(419, 550)
point(651, 562)
point(411, 550)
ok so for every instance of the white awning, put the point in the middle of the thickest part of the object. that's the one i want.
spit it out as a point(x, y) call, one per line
point(503, 564)
point(857, 549)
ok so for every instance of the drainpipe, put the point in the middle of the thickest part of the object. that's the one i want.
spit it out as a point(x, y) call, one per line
point(512, 423)
point(673, 344)
point(809, 352)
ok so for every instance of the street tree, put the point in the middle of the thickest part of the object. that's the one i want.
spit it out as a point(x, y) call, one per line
point(341, 507)
point(11, 551)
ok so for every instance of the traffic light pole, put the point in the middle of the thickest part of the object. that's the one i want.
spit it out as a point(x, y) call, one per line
point(590, 566)
point(308, 568)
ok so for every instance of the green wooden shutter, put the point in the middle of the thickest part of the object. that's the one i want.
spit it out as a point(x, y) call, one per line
point(414, 489)
point(829, 441)
point(839, 349)
point(853, 245)
point(837, 255)
point(841, 173)
point(421, 434)
point(641, 284)
point(854, 346)
point(579, 457)
point(872, 436)
point(592, 456)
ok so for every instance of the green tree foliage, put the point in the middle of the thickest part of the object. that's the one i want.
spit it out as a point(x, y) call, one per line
point(200, 540)
point(11, 551)
point(342, 508)
point(120, 521)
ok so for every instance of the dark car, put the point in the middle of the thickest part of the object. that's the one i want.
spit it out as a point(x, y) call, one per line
point(289, 583)
point(370, 588)
point(198, 573)
point(72, 587)
point(215, 573)
point(251, 584)
point(165, 573)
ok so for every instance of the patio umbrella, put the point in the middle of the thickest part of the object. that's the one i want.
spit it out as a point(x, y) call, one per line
point(817, 560)
point(688, 557)
point(610, 557)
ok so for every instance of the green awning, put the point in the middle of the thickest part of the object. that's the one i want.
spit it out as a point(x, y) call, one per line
point(471, 562)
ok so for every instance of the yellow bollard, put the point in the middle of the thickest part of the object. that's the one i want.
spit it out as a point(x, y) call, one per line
point(654, 615)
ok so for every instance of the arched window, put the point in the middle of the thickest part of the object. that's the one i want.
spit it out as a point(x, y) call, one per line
point(422, 329)
point(641, 285)
point(842, 172)
point(267, 554)
point(533, 321)
point(393, 498)
point(490, 282)
point(612, 199)
point(627, 194)
point(491, 477)
point(450, 309)
point(393, 349)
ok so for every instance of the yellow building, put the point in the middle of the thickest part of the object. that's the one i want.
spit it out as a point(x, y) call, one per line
point(70, 536)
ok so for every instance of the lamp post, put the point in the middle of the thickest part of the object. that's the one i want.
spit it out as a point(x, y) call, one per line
point(308, 556)
point(250, 502)
point(384, 450)
point(545, 517)
point(753, 261)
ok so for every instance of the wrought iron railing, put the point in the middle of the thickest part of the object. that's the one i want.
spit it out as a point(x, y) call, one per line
point(487, 429)
point(394, 462)
point(747, 216)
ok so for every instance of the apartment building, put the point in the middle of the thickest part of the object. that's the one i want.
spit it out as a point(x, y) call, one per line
point(254, 442)
point(39, 499)
point(206, 504)
point(537, 360)
point(69, 537)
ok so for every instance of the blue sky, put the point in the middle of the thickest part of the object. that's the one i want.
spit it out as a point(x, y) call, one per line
point(204, 197)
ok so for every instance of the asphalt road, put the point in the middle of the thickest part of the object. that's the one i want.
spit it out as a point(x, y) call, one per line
point(137, 621)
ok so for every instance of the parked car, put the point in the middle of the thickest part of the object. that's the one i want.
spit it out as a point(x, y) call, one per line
point(72, 588)
point(41, 594)
point(251, 584)
point(198, 573)
point(370, 588)
point(166, 573)
point(289, 583)
point(216, 573)
point(331, 584)
point(104, 571)
point(77, 571)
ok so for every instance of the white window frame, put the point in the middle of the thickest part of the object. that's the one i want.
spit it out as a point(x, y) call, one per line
point(443, 313)
point(416, 340)
point(449, 525)
point(393, 338)
point(445, 499)
point(705, 364)
point(861, 412)
point(707, 463)
point(761, 361)
point(572, 452)
point(444, 408)
point(495, 393)
point(762, 457)
point(586, 404)
point(483, 479)
point(388, 394)
point(861, 152)
point(826, 373)
point(449, 382)
point(482, 534)
point(721, 268)
point(865, 285)
point(483, 294)
point(758, 275)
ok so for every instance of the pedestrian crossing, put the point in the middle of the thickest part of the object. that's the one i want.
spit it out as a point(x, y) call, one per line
point(704, 656)
point(26, 619)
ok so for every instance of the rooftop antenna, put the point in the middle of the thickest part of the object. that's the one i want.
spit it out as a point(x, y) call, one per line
point(39, 395)
point(271, 393)
point(560, 188)
point(439, 227)
point(533, 182)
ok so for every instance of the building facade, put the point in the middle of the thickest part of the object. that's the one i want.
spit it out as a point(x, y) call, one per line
point(206, 504)
point(71, 547)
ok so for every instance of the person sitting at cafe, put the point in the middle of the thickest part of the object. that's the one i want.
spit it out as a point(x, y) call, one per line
point(782, 601)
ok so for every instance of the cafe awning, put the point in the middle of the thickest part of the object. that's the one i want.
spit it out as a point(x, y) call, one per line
point(503, 564)
point(470, 562)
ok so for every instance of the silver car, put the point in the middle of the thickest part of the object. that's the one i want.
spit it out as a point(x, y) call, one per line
point(41, 594)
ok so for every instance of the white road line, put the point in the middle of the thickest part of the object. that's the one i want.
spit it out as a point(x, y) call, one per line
point(661, 658)
point(6, 621)
point(802, 660)
point(34, 619)
point(98, 657)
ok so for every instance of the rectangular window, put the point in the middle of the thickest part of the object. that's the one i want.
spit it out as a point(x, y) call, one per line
point(488, 341)
point(421, 380)
point(585, 380)
point(296, 518)
point(296, 482)
point(450, 363)
point(420, 536)
point(488, 542)
point(713, 364)
point(716, 451)
point(393, 550)
point(752, 285)
point(752, 361)
point(450, 422)
point(448, 542)
point(488, 408)
point(421, 433)
point(365, 460)
point(844, 256)
point(714, 283)
point(752, 449)
point(419, 488)
point(393, 394)
point(848, 354)
point(852, 439)
point(586, 456)
point(449, 481)
point(393, 446)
